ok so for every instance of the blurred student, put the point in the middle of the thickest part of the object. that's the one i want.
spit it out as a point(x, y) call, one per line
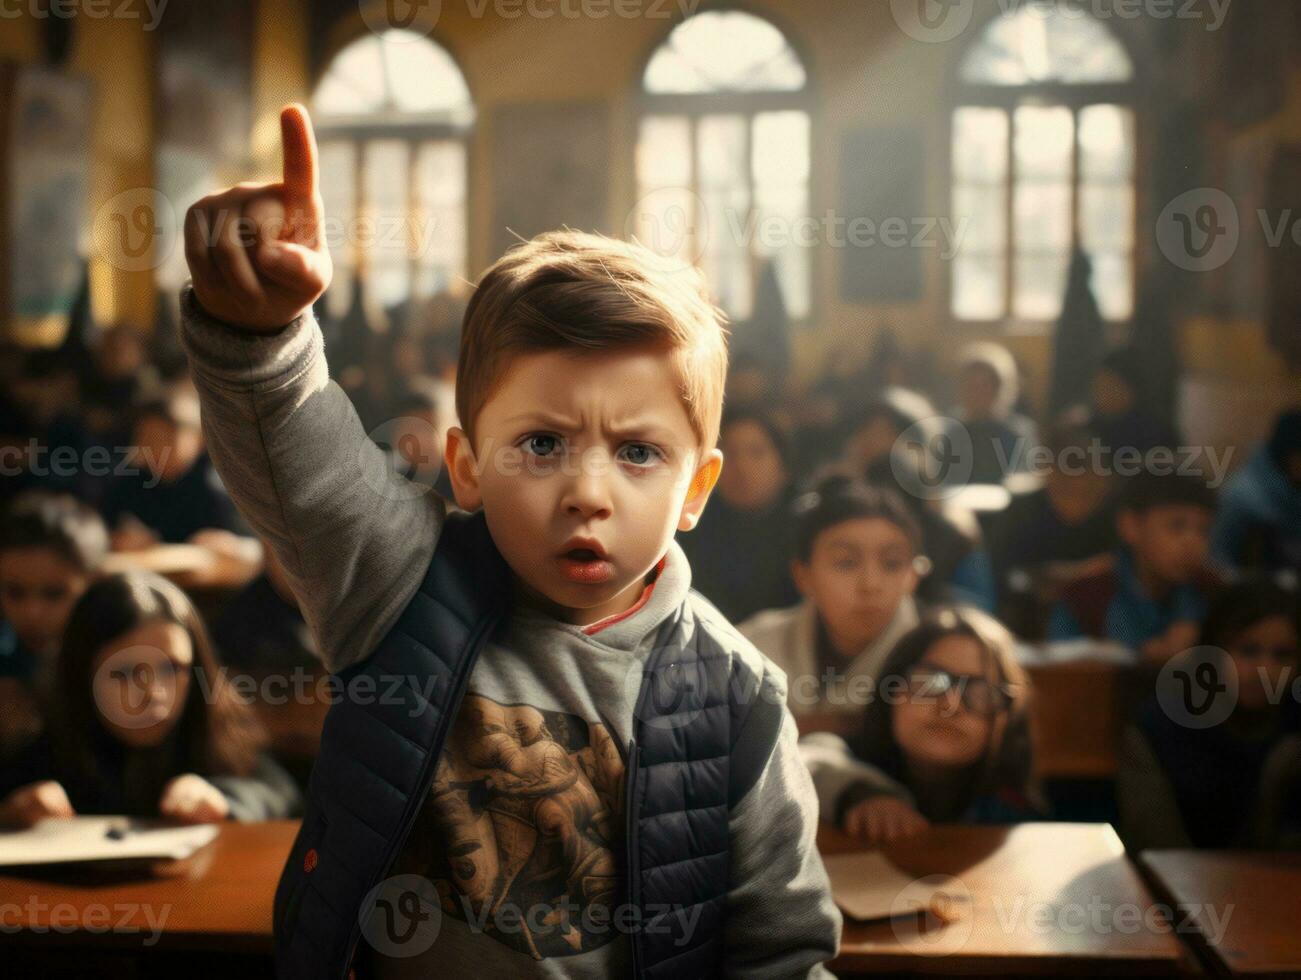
point(856, 562)
point(1259, 521)
point(1053, 535)
point(147, 724)
point(173, 492)
point(874, 434)
point(51, 549)
point(1152, 598)
point(947, 739)
point(261, 625)
point(740, 551)
point(960, 569)
point(1001, 439)
point(1118, 412)
point(1237, 783)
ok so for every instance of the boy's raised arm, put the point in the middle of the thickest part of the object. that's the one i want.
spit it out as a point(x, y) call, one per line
point(354, 537)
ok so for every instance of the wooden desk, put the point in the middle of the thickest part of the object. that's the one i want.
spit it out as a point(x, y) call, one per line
point(1245, 906)
point(217, 900)
point(1076, 718)
point(1039, 898)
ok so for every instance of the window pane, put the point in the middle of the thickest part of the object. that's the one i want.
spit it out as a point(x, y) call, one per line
point(1113, 284)
point(1046, 43)
point(979, 292)
point(724, 51)
point(1043, 138)
point(440, 230)
point(664, 153)
point(1039, 285)
point(781, 148)
point(980, 144)
point(721, 151)
point(1106, 142)
point(1042, 212)
point(385, 234)
point(980, 217)
point(338, 191)
point(666, 222)
point(1107, 217)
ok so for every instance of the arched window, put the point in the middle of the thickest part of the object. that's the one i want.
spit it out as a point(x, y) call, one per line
point(392, 113)
point(723, 156)
point(1043, 158)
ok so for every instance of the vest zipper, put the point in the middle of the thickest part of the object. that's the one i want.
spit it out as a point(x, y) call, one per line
point(417, 800)
point(633, 769)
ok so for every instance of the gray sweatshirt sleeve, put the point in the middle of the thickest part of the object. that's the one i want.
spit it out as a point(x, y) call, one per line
point(781, 920)
point(267, 793)
point(835, 769)
point(354, 536)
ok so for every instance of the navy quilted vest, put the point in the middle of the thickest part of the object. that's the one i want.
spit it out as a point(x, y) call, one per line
point(701, 740)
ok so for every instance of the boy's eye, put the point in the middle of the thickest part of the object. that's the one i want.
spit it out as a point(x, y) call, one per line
point(541, 445)
point(640, 454)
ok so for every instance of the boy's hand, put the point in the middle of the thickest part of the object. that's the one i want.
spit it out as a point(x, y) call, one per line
point(883, 819)
point(190, 798)
point(36, 801)
point(257, 252)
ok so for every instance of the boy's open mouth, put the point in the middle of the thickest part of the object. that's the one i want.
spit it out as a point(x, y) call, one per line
point(582, 554)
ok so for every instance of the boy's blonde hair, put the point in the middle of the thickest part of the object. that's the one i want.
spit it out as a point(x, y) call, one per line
point(570, 290)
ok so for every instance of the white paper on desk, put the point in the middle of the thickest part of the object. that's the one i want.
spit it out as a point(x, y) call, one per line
point(58, 840)
point(1075, 651)
point(867, 886)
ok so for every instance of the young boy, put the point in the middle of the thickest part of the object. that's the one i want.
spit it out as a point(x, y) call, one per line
point(1152, 598)
point(561, 762)
point(857, 563)
point(51, 549)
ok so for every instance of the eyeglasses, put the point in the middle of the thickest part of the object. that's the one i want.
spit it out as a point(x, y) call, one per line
point(976, 694)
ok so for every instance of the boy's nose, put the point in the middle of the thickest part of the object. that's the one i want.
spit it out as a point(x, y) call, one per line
point(588, 493)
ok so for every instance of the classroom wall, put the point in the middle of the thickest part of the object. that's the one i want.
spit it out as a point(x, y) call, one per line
point(863, 71)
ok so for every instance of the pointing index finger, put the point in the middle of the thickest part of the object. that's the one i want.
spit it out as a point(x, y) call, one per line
point(300, 171)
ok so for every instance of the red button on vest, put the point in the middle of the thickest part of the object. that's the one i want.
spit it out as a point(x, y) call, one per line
point(309, 860)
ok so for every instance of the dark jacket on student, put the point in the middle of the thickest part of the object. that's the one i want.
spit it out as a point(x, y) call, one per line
point(1258, 521)
point(174, 511)
point(258, 628)
point(1213, 787)
point(130, 781)
point(740, 560)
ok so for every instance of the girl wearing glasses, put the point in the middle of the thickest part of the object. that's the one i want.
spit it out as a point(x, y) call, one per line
point(946, 739)
point(145, 724)
point(1231, 776)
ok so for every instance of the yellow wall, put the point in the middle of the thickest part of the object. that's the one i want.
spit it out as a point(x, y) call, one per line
point(116, 54)
point(863, 70)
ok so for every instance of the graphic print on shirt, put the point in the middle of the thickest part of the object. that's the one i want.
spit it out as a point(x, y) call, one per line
point(525, 821)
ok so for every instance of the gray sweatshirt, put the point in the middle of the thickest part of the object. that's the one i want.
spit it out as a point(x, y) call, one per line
point(521, 835)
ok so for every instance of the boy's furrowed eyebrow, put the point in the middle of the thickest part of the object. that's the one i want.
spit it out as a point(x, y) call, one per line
point(644, 429)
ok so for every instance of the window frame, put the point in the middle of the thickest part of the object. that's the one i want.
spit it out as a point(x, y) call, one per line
point(694, 105)
point(1076, 98)
point(415, 130)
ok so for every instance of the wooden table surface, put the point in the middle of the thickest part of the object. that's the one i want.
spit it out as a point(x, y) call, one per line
point(1043, 898)
point(219, 898)
point(1246, 906)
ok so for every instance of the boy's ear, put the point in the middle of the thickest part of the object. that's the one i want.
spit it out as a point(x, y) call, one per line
point(701, 486)
point(462, 469)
